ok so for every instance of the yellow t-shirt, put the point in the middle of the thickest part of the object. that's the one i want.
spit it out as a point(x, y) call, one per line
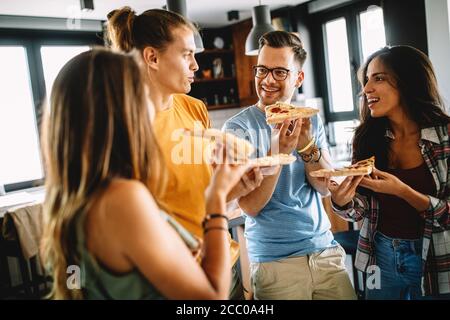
point(188, 174)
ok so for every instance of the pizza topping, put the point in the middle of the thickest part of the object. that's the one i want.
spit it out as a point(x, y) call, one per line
point(281, 111)
point(275, 110)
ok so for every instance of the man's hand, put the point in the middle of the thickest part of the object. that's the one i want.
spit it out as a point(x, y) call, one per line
point(305, 133)
point(249, 182)
point(285, 136)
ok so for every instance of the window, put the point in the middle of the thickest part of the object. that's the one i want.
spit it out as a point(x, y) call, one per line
point(29, 64)
point(338, 63)
point(349, 35)
point(372, 31)
point(342, 133)
point(20, 160)
point(54, 58)
point(346, 130)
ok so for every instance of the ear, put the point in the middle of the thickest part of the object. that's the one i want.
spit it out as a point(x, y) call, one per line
point(151, 57)
point(300, 78)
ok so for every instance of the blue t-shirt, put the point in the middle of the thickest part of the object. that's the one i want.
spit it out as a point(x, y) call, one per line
point(294, 222)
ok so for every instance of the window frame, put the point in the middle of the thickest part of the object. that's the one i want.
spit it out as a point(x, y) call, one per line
point(32, 40)
point(350, 12)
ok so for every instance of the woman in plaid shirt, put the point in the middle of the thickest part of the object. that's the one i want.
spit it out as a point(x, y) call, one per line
point(404, 242)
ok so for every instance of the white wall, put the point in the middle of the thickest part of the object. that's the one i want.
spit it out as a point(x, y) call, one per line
point(448, 7)
point(438, 34)
point(218, 117)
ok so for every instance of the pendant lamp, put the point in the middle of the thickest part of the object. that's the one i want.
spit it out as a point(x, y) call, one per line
point(179, 6)
point(261, 25)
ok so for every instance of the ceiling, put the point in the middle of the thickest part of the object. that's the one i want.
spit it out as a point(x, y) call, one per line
point(207, 13)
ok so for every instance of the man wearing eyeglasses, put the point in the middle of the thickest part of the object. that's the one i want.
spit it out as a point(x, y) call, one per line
point(292, 251)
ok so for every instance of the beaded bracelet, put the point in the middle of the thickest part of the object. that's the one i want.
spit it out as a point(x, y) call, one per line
point(308, 157)
point(213, 216)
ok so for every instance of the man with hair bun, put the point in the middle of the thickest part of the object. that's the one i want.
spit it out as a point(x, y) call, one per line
point(166, 41)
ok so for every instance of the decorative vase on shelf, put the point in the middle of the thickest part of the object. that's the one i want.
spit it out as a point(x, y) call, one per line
point(217, 68)
point(206, 73)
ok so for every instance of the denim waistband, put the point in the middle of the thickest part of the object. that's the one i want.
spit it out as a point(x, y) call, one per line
point(413, 244)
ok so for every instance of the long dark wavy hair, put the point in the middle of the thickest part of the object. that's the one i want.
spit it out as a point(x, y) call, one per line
point(415, 80)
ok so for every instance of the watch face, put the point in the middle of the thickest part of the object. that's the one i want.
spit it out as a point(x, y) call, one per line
point(218, 43)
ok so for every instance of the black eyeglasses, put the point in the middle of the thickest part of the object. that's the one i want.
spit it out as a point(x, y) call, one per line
point(278, 73)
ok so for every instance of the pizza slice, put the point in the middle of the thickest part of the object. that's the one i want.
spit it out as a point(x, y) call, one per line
point(274, 160)
point(237, 149)
point(280, 111)
point(360, 168)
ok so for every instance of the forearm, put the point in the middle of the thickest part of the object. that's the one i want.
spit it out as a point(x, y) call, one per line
point(416, 199)
point(258, 198)
point(217, 261)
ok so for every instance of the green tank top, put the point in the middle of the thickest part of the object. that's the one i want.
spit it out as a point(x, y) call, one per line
point(98, 282)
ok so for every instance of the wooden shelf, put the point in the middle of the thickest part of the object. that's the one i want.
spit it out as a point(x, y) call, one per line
point(222, 106)
point(210, 51)
point(201, 80)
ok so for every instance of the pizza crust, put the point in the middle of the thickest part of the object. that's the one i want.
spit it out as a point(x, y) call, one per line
point(274, 160)
point(360, 168)
point(280, 111)
point(238, 149)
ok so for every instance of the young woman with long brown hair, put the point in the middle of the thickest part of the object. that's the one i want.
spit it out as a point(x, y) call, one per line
point(103, 169)
point(405, 203)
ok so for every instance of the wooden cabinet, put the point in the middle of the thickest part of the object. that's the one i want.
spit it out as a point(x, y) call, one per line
point(216, 79)
point(236, 88)
point(244, 64)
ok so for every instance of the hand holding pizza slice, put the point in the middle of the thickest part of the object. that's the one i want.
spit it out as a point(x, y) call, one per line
point(239, 150)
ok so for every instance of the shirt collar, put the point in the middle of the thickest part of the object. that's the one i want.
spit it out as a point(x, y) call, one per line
point(429, 134)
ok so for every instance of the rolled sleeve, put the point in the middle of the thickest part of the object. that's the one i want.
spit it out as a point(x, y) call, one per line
point(437, 212)
point(354, 211)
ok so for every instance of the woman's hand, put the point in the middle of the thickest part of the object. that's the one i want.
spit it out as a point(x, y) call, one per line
point(342, 194)
point(383, 182)
point(249, 182)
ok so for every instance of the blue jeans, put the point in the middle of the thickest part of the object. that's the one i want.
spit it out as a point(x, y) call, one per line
point(400, 265)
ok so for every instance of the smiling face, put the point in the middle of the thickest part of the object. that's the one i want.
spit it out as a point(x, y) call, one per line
point(177, 64)
point(382, 96)
point(270, 90)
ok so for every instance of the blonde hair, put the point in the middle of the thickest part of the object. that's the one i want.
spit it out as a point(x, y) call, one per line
point(97, 128)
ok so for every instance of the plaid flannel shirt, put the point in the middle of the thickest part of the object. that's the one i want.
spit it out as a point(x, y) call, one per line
point(435, 149)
